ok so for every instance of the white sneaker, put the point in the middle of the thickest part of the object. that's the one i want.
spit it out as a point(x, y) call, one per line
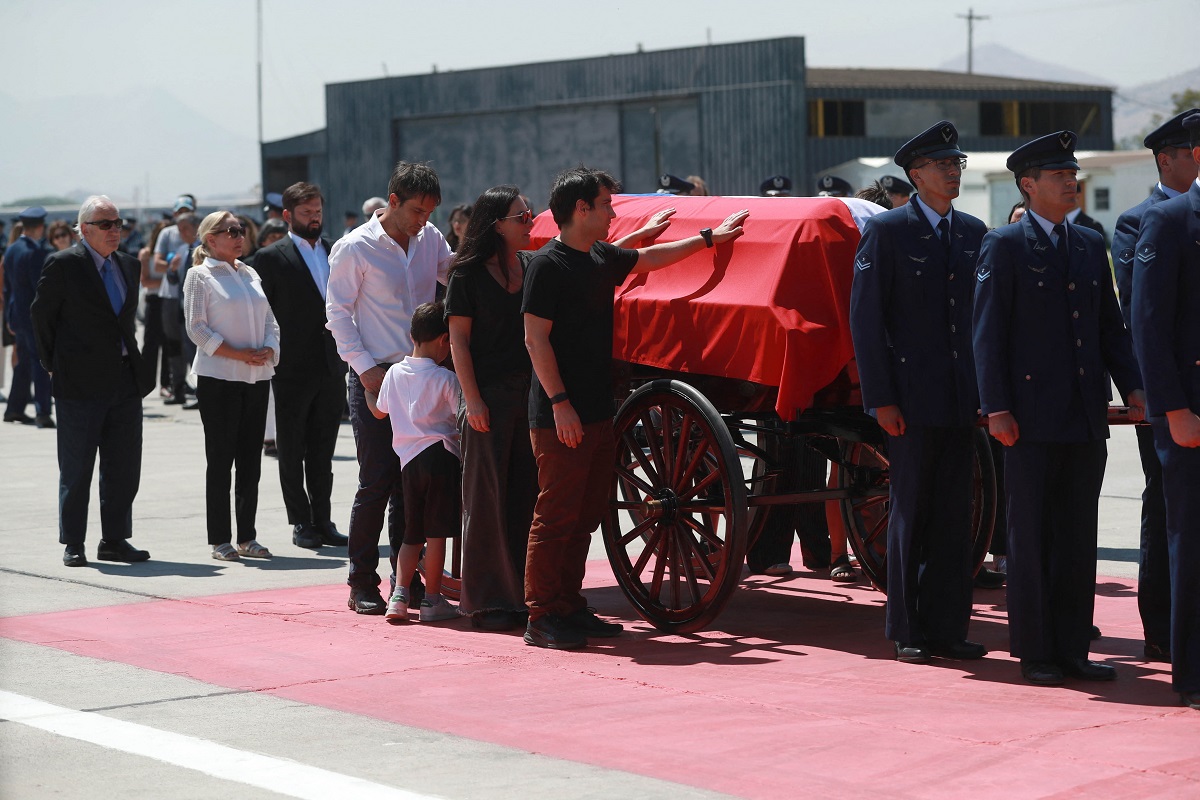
point(437, 610)
point(397, 609)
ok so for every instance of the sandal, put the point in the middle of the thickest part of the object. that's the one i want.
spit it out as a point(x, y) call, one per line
point(224, 552)
point(842, 571)
point(252, 549)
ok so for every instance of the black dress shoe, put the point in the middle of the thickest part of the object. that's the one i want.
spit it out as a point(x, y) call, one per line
point(306, 536)
point(552, 631)
point(912, 653)
point(964, 650)
point(44, 421)
point(120, 550)
point(495, 620)
point(1094, 633)
point(586, 621)
point(1154, 652)
point(1190, 699)
point(24, 419)
point(366, 601)
point(1041, 673)
point(330, 535)
point(175, 400)
point(73, 556)
point(989, 579)
point(1085, 670)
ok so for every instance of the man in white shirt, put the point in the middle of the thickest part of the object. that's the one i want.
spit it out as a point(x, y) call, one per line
point(310, 382)
point(378, 274)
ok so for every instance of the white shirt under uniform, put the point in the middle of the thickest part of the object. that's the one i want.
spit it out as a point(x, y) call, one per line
point(224, 304)
point(374, 287)
point(421, 399)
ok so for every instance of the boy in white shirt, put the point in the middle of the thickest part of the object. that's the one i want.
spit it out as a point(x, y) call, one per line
point(422, 400)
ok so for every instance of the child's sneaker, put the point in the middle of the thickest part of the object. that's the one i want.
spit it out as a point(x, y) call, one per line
point(436, 609)
point(397, 609)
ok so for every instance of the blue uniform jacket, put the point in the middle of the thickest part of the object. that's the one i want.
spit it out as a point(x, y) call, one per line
point(1166, 303)
point(1124, 245)
point(910, 316)
point(1047, 335)
point(22, 267)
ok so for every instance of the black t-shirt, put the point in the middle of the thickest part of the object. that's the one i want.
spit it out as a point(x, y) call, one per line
point(574, 290)
point(497, 328)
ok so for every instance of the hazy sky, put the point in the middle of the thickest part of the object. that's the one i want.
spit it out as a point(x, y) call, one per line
point(125, 64)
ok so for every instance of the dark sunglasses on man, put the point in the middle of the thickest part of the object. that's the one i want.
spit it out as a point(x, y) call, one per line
point(105, 224)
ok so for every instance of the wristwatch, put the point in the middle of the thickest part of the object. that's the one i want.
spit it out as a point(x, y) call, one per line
point(561, 397)
point(707, 234)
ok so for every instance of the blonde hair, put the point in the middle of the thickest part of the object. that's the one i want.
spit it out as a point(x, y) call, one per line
point(207, 226)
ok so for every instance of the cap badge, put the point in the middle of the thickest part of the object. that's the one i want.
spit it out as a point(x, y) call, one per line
point(1064, 139)
point(947, 133)
point(777, 181)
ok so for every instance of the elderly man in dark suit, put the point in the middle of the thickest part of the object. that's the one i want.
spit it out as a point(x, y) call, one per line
point(1172, 150)
point(310, 381)
point(910, 316)
point(1166, 331)
point(83, 321)
point(1048, 333)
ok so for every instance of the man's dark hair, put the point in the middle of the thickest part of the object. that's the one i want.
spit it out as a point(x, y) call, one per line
point(300, 193)
point(1032, 172)
point(414, 180)
point(481, 241)
point(875, 193)
point(582, 183)
point(428, 322)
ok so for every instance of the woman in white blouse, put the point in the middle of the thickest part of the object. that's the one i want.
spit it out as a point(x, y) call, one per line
point(237, 347)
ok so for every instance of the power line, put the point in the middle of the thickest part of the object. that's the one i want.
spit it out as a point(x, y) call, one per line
point(970, 17)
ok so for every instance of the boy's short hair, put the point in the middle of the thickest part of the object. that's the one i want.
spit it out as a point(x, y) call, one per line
point(582, 183)
point(428, 322)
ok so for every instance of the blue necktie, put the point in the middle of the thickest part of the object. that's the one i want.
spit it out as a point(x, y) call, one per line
point(110, 285)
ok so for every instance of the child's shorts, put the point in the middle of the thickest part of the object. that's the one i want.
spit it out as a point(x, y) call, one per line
point(432, 485)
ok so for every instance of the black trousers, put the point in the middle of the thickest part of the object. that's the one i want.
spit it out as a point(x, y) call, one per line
point(379, 490)
point(1154, 574)
point(111, 427)
point(803, 469)
point(308, 414)
point(152, 340)
point(1053, 494)
point(234, 416)
point(28, 371)
point(1181, 477)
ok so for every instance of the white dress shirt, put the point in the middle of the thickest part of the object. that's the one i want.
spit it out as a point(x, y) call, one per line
point(227, 304)
point(933, 217)
point(421, 399)
point(315, 259)
point(374, 287)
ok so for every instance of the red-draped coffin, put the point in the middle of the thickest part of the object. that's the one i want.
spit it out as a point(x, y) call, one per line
point(772, 308)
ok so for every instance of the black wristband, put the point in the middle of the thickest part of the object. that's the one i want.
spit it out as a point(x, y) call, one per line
point(707, 234)
point(561, 397)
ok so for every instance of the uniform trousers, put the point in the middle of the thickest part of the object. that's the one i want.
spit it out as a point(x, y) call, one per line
point(379, 490)
point(110, 426)
point(233, 413)
point(27, 371)
point(308, 415)
point(1154, 573)
point(1181, 488)
point(152, 340)
point(929, 535)
point(572, 500)
point(1052, 492)
point(500, 487)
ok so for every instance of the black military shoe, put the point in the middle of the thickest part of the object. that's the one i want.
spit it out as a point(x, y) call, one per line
point(912, 653)
point(120, 550)
point(306, 536)
point(552, 631)
point(73, 556)
point(330, 535)
point(1154, 652)
point(589, 624)
point(366, 601)
point(989, 579)
point(1190, 699)
point(1085, 670)
point(959, 651)
point(1041, 673)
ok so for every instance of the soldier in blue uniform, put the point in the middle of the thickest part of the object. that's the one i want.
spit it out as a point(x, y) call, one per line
point(1172, 150)
point(1166, 328)
point(833, 186)
point(23, 266)
point(910, 317)
point(1048, 333)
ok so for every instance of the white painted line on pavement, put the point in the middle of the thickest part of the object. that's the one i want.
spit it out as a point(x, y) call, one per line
point(280, 775)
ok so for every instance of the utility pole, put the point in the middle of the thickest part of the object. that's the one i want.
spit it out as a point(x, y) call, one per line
point(971, 18)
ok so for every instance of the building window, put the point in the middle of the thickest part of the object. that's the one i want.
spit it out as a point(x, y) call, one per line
point(1101, 196)
point(1018, 118)
point(837, 118)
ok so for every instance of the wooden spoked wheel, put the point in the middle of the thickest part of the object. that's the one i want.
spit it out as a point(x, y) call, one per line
point(676, 532)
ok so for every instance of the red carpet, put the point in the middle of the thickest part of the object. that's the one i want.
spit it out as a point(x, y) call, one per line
point(793, 690)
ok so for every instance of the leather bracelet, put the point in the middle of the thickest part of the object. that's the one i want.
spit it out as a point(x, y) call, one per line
point(707, 234)
point(561, 397)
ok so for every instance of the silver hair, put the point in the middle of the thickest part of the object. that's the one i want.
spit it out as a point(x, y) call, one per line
point(91, 204)
point(373, 205)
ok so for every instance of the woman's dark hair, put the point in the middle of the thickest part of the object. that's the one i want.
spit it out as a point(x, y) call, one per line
point(452, 237)
point(481, 241)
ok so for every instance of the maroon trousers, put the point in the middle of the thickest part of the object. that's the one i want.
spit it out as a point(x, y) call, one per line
point(572, 500)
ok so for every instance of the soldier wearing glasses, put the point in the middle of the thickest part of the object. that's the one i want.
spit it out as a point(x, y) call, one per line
point(83, 323)
point(1048, 333)
point(910, 316)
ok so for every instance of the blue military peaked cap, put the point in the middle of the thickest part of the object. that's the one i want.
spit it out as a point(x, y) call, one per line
point(672, 184)
point(834, 186)
point(1052, 151)
point(891, 183)
point(776, 184)
point(1191, 121)
point(32, 214)
point(936, 142)
point(1172, 133)
point(274, 201)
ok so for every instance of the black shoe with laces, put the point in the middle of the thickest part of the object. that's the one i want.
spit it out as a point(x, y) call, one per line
point(589, 624)
point(553, 632)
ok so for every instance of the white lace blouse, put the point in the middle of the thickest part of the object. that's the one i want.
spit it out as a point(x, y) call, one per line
point(224, 303)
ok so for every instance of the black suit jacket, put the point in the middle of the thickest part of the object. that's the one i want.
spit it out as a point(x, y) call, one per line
point(1087, 222)
point(76, 331)
point(306, 347)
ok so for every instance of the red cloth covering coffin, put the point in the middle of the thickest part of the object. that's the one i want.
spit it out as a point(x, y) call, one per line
point(773, 307)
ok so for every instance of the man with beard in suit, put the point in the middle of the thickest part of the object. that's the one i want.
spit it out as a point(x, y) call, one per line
point(310, 381)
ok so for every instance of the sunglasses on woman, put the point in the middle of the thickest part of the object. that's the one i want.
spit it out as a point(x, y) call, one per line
point(234, 231)
point(525, 217)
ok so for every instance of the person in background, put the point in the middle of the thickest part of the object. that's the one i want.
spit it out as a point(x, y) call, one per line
point(274, 206)
point(172, 257)
point(22, 268)
point(699, 187)
point(349, 222)
point(250, 240)
point(271, 232)
point(833, 186)
point(460, 216)
point(237, 348)
point(898, 190)
point(372, 206)
point(131, 238)
point(152, 335)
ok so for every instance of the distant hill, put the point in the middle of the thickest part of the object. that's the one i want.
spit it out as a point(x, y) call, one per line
point(1134, 108)
point(996, 59)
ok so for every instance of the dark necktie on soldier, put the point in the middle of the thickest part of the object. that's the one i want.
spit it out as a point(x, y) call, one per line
point(1061, 232)
point(944, 234)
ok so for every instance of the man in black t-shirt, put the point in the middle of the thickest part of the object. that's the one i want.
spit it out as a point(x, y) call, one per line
point(568, 310)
